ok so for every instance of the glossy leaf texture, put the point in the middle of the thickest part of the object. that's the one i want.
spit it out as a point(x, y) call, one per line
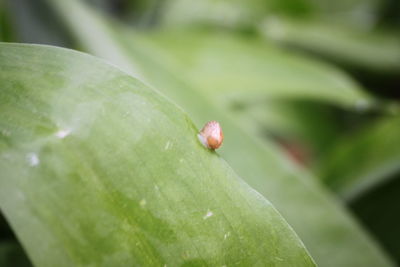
point(319, 220)
point(98, 169)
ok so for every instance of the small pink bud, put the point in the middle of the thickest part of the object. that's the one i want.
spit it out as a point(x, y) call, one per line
point(211, 135)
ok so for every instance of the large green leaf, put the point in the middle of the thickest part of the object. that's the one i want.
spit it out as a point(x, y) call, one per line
point(98, 169)
point(324, 226)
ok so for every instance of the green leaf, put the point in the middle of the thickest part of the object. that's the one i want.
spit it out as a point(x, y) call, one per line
point(364, 169)
point(321, 222)
point(342, 31)
point(248, 70)
point(241, 14)
point(368, 50)
point(98, 169)
point(376, 153)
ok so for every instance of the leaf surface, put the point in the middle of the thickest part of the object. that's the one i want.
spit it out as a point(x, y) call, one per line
point(98, 169)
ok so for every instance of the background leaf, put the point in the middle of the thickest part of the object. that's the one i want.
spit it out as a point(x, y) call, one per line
point(227, 66)
point(375, 152)
point(236, 13)
point(364, 170)
point(12, 254)
point(345, 32)
point(377, 51)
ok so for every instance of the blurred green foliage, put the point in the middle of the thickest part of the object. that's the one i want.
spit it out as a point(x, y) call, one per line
point(309, 84)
